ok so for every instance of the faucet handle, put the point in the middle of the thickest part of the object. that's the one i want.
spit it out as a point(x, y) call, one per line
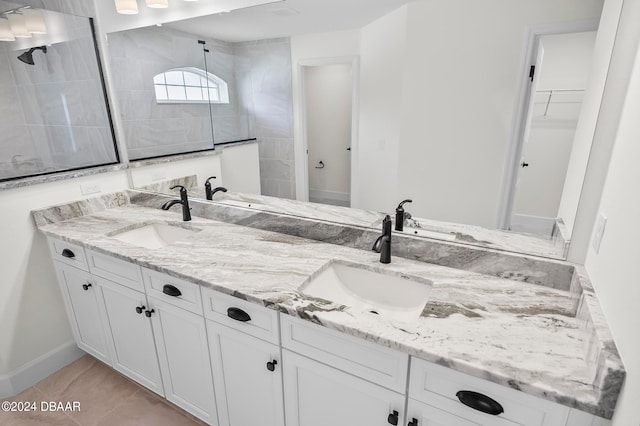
point(208, 179)
point(182, 188)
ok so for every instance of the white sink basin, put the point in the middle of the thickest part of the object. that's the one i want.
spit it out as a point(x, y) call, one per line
point(391, 295)
point(154, 236)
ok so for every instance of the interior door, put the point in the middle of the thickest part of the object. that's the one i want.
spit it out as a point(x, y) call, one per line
point(328, 118)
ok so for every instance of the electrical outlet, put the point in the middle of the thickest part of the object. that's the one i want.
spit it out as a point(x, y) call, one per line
point(90, 188)
point(159, 175)
point(599, 232)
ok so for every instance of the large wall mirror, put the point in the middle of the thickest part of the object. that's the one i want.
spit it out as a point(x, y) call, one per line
point(53, 101)
point(431, 101)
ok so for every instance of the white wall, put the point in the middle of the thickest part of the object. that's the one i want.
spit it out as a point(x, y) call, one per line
point(240, 169)
point(328, 95)
point(32, 313)
point(613, 269)
point(202, 167)
point(462, 73)
point(567, 61)
point(383, 53)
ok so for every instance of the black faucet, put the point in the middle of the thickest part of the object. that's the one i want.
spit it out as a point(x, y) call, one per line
point(184, 200)
point(383, 242)
point(400, 215)
point(207, 188)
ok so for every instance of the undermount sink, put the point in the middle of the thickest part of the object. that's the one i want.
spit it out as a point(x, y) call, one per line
point(154, 236)
point(388, 294)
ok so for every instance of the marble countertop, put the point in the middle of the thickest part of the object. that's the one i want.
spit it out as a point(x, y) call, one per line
point(546, 342)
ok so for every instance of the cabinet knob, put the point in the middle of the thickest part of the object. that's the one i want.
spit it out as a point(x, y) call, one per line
point(393, 418)
point(148, 313)
point(238, 314)
point(85, 287)
point(139, 309)
point(68, 253)
point(413, 422)
point(480, 402)
point(271, 365)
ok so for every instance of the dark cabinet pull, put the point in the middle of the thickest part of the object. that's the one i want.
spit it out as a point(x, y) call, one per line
point(238, 314)
point(393, 418)
point(413, 422)
point(171, 290)
point(480, 402)
point(85, 287)
point(139, 309)
point(271, 365)
point(68, 253)
point(148, 313)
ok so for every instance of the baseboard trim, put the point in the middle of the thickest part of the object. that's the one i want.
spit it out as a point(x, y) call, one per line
point(538, 225)
point(329, 195)
point(32, 372)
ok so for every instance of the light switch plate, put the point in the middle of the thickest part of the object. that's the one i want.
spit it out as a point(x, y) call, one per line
point(90, 188)
point(599, 232)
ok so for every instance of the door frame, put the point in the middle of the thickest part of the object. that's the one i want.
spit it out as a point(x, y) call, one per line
point(301, 144)
point(522, 112)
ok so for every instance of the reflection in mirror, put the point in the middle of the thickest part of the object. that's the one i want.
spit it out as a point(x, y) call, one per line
point(429, 126)
point(178, 93)
point(556, 93)
point(54, 111)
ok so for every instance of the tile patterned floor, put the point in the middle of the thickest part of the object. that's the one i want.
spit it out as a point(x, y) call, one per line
point(106, 398)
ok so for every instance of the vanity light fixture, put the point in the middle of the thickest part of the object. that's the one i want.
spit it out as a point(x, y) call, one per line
point(5, 31)
point(130, 7)
point(18, 25)
point(157, 4)
point(34, 20)
point(127, 7)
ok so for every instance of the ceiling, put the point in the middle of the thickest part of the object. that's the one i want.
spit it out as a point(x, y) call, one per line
point(287, 18)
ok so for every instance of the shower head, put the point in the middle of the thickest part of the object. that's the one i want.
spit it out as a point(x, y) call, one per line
point(27, 57)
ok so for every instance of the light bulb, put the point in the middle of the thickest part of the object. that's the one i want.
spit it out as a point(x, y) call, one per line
point(18, 25)
point(158, 4)
point(5, 31)
point(34, 19)
point(127, 7)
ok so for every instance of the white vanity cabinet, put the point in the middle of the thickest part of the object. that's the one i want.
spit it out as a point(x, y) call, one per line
point(134, 349)
point(81, 298)
point(245, 357)
point(181, 342)
point(472, 399)
point(333, 378)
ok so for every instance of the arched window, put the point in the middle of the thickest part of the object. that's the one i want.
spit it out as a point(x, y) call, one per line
point(190, 85)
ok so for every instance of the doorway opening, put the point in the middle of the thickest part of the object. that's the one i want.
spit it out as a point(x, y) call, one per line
point(328, 98)
point(540, 156)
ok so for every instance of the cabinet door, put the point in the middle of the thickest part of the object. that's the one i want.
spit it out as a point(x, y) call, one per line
point(181, 340)
point(318, 395)
point(131, 337)
point(84, 310)
point(248, 378)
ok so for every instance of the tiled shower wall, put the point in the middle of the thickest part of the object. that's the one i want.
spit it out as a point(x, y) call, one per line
point(52, 114)
point(264, 67)
point(259, 78)
point(153, 129)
